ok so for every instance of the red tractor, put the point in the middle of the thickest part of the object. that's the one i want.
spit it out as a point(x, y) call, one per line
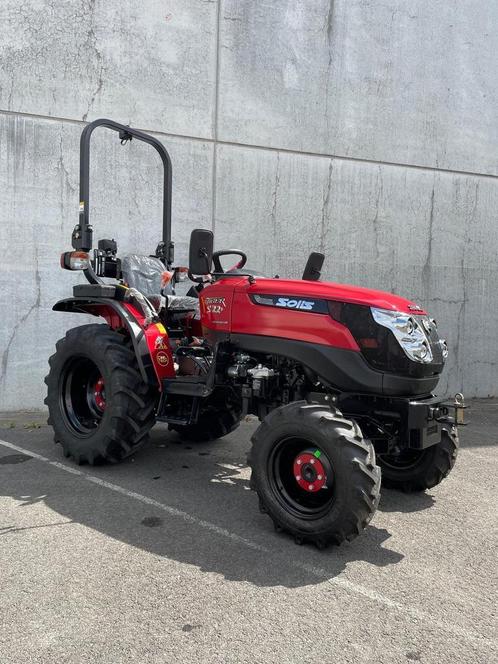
point(340, 377)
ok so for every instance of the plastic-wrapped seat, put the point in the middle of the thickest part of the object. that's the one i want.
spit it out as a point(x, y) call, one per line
point(145, 274)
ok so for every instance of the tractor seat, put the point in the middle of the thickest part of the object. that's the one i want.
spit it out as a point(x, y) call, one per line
point(182, 303)
point(145, 274)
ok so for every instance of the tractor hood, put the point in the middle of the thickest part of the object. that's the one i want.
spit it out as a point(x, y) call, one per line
point(298, 289)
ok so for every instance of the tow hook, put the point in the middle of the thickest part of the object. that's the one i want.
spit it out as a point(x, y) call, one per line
point(459, 405)
point(440, 413)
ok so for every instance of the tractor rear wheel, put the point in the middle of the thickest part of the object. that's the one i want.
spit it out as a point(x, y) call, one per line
point(418, 470)
point(211, 424)
point(314, 473)
point(99, 405)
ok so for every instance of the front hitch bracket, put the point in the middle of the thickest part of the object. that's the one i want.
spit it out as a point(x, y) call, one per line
point(458, 405)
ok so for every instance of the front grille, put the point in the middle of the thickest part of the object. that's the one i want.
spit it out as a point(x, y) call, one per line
point(379, 345)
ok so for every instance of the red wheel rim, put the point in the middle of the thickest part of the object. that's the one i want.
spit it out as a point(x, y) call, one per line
point(309, 472)
point(294, 479)
point(99, 394)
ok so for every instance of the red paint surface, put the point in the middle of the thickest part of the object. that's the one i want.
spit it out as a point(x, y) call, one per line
point(216, 306)
point(160, 351)
point(110, 316)
point(323, 290)
point(240, 315)
point(251, 318)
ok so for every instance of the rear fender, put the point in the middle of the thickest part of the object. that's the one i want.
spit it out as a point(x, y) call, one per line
point(150, 342)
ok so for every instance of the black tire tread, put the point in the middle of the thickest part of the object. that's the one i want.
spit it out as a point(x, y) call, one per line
point(365, 473)
point(442, 458)
point(210, 426)
point(131, 409)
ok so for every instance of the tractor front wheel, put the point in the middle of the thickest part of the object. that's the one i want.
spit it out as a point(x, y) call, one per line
point(314, 473)
point(99, 406)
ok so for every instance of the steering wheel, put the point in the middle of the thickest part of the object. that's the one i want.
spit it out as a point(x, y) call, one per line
point(228, 252)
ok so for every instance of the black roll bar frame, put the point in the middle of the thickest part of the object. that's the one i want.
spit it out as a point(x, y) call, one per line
point(82, 237)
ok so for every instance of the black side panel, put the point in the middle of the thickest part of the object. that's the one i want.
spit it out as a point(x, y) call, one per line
point(186, 387)
point(346, 370)
point(400, 386)
point(85, 305)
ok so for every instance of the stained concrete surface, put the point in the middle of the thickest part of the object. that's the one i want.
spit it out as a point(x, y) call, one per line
point(150, 62)
point(365, 129)
point(409, 82)
point(166, 558)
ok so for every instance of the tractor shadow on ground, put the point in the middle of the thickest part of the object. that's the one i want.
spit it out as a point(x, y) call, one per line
point(225, 533)
point(211, 485)
point(396, 501)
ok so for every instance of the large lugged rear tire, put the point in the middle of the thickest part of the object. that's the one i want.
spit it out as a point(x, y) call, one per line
point(99, 406)
point(218, 417)
point(418, 470)
point(210, 426)
point(314, 473)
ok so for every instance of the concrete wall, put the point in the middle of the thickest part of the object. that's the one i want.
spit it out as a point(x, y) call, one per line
point(365, 129)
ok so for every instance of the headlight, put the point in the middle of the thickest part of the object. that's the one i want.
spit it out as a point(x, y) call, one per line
point(408, 331)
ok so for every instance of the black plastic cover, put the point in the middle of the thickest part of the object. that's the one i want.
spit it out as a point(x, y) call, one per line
point(94, 290)
point(312, 271)
point(380, 347)
point(201, 251)
point(347, 370)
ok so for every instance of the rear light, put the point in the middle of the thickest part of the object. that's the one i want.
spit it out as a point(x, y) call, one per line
point(75, 260)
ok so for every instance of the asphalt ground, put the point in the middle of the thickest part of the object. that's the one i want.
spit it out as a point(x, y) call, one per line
point(166, 558)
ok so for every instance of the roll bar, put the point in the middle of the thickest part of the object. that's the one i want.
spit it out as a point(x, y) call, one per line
point(83, 231)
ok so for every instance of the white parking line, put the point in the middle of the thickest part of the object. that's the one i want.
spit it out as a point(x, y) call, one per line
point(320, 573)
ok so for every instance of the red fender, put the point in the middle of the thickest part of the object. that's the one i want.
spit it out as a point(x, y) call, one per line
point(151, 343)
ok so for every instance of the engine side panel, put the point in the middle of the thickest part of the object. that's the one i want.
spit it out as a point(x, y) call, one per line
point(251, 317)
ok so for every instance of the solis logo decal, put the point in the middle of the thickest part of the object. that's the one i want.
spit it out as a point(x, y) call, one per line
point(288, 303)
point(291, 302)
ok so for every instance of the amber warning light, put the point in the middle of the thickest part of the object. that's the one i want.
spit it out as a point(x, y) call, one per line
point(75, 260)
